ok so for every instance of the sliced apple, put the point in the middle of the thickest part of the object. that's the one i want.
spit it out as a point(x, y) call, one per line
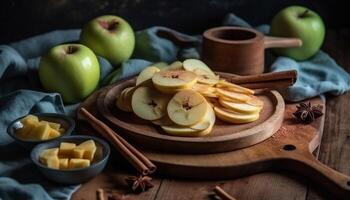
point(233, 95)
point(212, 101)
point(124, 99)
point(205, 74)
point(233, 87)
point(193, 65)
point(187, 108)
point(254, 101)
point(234, 117)
point(172, 81)
point(239, 107)
point(149, 104)
point(146, 74)
point(205, 90)
point(177, 65)
point(200, 129)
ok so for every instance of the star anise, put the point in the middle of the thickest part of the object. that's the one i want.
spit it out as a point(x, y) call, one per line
point(307, 113)
point(139, 184)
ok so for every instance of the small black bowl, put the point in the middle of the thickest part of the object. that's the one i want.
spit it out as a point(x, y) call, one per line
point(66, 122)
point(73, 176)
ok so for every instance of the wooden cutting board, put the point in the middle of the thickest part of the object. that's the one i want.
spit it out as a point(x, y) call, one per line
point(224, 136)
point(289, 149)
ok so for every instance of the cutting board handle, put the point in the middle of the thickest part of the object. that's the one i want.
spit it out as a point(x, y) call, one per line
point(335, 182)
point(271, 42)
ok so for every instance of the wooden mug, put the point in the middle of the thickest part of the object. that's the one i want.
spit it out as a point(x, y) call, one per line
point(240, 50)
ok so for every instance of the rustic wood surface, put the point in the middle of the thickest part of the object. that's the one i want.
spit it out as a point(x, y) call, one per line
point(334, 152)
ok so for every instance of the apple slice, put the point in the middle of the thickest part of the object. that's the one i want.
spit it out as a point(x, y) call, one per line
point(200, 129)
point(124, 100)
point(205, 90)
point(193, 65)
point(187, 108)
point(254, 101)
point(233, 95)
point(174, 80)
point(233, 87)
point(148, 103)
point(146, 74)
point(177, 65)
point(205, 74)
point(239, 107)
point(234, 117)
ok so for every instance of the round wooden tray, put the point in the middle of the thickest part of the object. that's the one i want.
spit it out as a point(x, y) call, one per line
point(224, 137)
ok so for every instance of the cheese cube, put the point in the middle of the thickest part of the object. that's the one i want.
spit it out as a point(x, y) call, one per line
point(53, 134)
point(28, 123)
point(63, 163)
point(53, 162)
point(54, 125)
point(78, 153)
point(40, 132)
point(66, 149)
point(46, 154)
point(75, 163)
point(89, 147)
point(24, 132)
point(29, 119)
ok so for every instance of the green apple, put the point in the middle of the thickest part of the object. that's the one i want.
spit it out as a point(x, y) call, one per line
point(110, 37)
point(299, 22)
point(71, 70)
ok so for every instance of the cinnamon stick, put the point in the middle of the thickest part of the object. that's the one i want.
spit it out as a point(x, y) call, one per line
point(222, 194)
point(100, 194)
point(283, 83)
point(266, 77)
point(136, 158)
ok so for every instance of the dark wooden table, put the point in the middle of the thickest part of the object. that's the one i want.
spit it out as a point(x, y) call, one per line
point(334, 151)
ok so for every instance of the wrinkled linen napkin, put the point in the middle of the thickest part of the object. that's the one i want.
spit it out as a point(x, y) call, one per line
point(21, 93)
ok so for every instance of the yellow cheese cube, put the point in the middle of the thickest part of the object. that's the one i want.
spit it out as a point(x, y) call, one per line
point(28, 123)
point(54, 125)
point(89, 147)
point(53, 134)
point(66, 149)
point(46, 154)
point(53, 162)
point(78, 153)
point(29, 119)
point(23, 133)
point(75, 163)
point(40, 132)
point(64, 163)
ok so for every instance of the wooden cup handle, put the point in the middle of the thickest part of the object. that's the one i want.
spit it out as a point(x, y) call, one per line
point(333, 181)
point(281, 42)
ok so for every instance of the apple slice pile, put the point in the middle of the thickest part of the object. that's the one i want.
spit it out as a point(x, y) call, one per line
point(185, 98)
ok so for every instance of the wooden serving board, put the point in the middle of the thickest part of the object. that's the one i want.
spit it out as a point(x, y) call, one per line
point(224, 136)
point(288, 149)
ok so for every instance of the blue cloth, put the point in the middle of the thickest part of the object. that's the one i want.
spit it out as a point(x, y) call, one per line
point(21, 93)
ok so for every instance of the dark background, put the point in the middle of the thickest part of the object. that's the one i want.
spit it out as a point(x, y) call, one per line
point(23, 18)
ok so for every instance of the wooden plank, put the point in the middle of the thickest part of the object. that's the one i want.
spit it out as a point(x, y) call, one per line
point(260, 186)
point(335, 146)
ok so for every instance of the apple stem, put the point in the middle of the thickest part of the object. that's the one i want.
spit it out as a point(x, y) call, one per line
point(302, 15)
point(71, 49)
point(111, 25)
